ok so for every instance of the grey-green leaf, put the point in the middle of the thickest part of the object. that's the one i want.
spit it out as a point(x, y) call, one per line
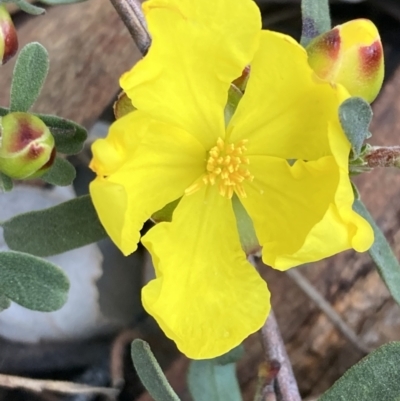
point(59, 2)
point(32, 282)
point(30, 72)
point(355, 116)
point(374, 378)
point(215, 379)
point(382, 254)
point(28, 7)
point(6, 183)
point(69, 136)
point(150, 373)
point(4, 302)
point(55, 230)
point(61, 173)
point(316, 19)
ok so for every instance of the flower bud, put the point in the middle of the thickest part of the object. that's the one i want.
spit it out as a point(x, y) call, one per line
point(8, 36)
point(27, 146)
point(350, 54)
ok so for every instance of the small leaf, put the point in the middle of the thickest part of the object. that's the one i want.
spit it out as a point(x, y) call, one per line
point(382, 254)
point(59, 2)
point(55, 230)
point(3, 111)
point(32, 282)
point(29, 74)
point(28, 7)
point(316, 19)
point(355, 116)
point(6, 183)
point(374, 378)
point(215, 379)
point(61, 173)
point(4, 302)
point(69, 136)
point(150, 373)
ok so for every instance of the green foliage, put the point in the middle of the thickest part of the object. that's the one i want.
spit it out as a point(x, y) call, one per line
point(60, 2)
point(4, 302)
point(32, 282)
point(165, 214)
point(26, 6)
point(29, 75)
point(316, 19)
point(150, 372)
point(215, 379)
point(374, 378)
point(61, 173)
point(355, 116)
point(69, 136)
point(6, 183)
point(55, 230)
point(382, 254)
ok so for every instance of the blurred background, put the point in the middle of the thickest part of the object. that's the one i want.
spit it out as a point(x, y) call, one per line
point(88, 340)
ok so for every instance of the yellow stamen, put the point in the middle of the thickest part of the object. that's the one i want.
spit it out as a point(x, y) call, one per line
point(226, 166)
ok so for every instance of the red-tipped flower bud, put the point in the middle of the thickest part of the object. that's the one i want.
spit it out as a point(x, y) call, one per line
point(27, 146)
point(350, 54)
point(8, 36)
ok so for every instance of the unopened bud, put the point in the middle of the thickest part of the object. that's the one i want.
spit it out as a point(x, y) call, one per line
point(27, 146)
point(8, 36)
point(350, 54)
point(241, 82)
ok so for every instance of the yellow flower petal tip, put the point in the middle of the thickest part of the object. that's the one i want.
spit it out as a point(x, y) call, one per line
point(350, 54)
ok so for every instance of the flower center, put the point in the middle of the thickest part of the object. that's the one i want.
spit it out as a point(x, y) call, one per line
point(227, 167)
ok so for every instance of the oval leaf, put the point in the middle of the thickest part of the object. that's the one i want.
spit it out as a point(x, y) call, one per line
point(355, 116)
point(215, 379)
point(29, 74)
point(382, 254)
point(150, 373)
point(56, 230)
point(316, 19)
point(61, 173)
point(374, 378)
point(4, 302)
point(69, 136)
point(32, 282)
point(6, 183)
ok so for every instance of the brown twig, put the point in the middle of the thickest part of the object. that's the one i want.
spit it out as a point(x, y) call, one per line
point(275, 351)
point(117, 356)
point(130, 12)
point(62, 387)
point(326, 308)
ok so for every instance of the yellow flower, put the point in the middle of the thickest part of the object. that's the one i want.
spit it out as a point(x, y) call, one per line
point(206, 296)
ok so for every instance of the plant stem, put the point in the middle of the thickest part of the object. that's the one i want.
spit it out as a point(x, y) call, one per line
point(274, 349)
point(130, 11)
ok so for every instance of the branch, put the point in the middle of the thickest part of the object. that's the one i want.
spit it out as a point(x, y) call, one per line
point(63, 387)
point(130, 11)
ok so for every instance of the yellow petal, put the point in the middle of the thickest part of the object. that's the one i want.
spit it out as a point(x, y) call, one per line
point(157, 173)
point(198, 48)
point(207, 297)
point(285, 202)
point(286, 108)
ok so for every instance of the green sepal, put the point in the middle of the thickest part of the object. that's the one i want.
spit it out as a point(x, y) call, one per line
point(374, 378)
point(382, 254)
point(165, 214)
point(69, 136)
point(215, 379)
point(234, 96)
point(150, 373)
point(5, 303)
point(32, 282)
point(61, 173)
point(316, 19)
point(30, 72)
point(6, 183)
point(355, 116)
point(55, 230)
